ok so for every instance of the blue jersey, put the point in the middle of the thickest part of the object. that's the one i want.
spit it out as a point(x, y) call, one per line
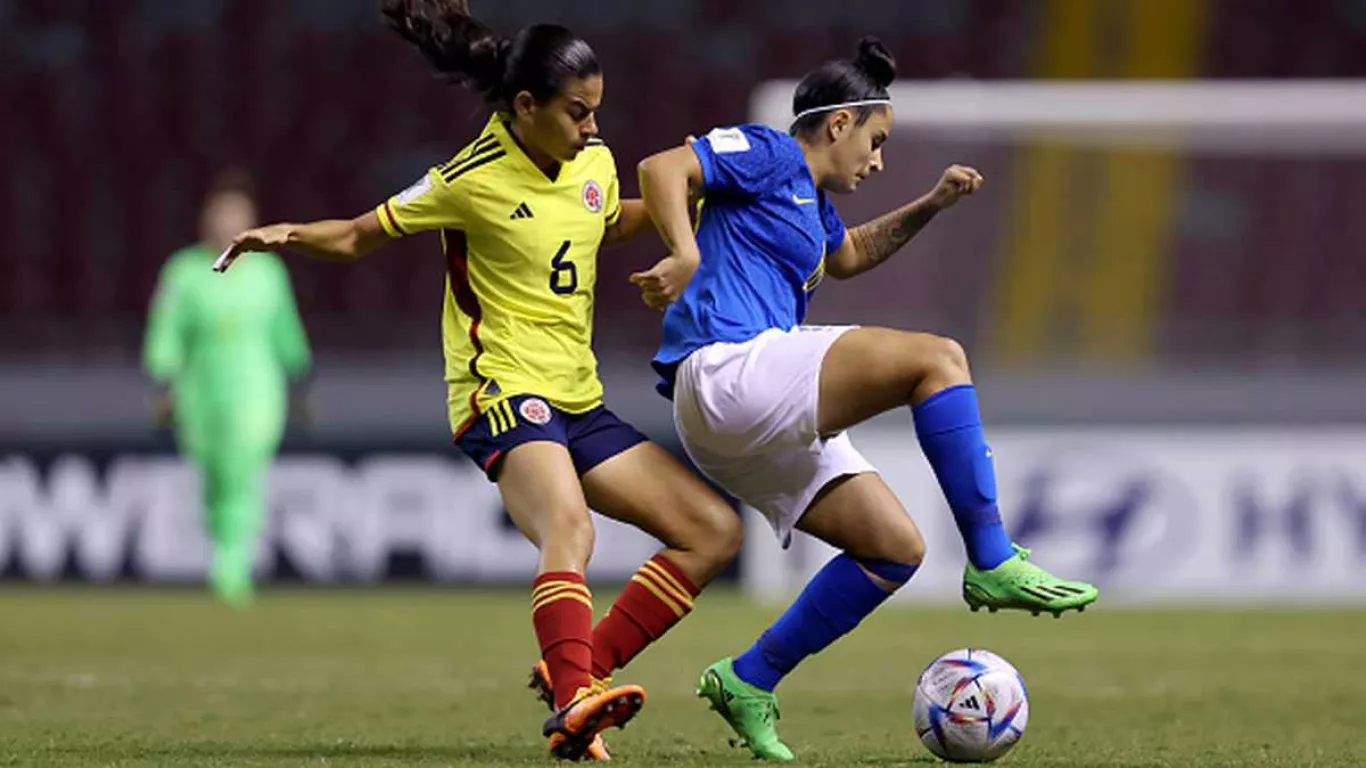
point(763, 233)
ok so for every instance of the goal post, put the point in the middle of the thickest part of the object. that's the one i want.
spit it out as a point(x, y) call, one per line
point(1270, 115)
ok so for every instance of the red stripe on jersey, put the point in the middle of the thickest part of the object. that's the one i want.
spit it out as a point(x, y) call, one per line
point(459, 433)
point(458, 274)
point(393, 220)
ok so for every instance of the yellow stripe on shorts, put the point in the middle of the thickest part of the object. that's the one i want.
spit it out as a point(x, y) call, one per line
point(496, 421)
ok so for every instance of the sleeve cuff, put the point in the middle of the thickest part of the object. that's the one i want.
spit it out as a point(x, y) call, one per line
point(707, 160)
point(838, 242)
point(385, 213)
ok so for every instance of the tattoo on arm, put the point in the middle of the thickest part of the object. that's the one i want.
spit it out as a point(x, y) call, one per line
point(884, 236)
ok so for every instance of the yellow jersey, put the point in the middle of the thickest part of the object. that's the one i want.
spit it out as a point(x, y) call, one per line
point(521, 259)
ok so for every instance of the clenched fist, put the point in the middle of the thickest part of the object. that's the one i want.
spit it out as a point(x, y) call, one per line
point(662, 284)
point(958, 180)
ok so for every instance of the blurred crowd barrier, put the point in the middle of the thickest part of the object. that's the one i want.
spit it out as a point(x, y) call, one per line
point(338, 514)
point(1152, 515)
point(1155, 515)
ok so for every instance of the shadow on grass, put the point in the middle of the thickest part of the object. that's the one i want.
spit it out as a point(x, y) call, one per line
point(231, 751)
point(478, 753)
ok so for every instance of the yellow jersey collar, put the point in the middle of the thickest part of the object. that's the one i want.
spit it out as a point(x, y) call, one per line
point(500, 124)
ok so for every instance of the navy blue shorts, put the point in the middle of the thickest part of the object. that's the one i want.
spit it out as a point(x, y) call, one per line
point(592, 437)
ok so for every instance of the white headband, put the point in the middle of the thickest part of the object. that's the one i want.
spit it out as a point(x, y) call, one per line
point(828, 107)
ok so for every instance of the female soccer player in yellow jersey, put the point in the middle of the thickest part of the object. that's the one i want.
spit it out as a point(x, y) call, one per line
point(522, 211)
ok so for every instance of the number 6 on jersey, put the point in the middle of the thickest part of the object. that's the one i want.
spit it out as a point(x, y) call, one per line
point(564, 276)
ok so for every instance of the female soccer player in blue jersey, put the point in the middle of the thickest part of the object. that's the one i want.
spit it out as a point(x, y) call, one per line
point(522, 211)
point(762, 403)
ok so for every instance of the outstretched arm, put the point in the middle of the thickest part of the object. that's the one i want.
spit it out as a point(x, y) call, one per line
point(870, 244)
point(331, 239)
point(668, 180)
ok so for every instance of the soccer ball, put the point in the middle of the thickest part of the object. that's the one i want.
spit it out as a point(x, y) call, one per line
point(971, 706)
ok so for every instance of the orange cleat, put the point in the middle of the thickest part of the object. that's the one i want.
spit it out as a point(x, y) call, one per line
point(543, 688)
point(573, 730)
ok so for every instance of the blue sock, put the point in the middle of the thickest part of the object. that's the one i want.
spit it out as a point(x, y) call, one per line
point(833, 602)
point(949, 426)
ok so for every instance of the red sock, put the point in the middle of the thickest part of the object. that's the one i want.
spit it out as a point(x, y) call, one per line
point(655, 599)
point(562, 611)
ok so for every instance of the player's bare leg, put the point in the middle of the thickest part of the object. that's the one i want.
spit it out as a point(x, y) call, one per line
point(859, 515)
point(872, 370)
point(869, 371)
point(541, 491)
point(543, 496)
point(650, 489)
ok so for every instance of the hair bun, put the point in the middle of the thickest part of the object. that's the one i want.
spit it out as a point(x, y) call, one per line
point(874, 60)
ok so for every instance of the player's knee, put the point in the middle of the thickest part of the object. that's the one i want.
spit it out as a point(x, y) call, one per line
point(892, 573)
point(895, 552)
point(903, 545)
point(931, 363)
point(717, 536)
point(948, 359)
point(898, 559)
point(726, 537)
point(910, 547)
point(568, 530)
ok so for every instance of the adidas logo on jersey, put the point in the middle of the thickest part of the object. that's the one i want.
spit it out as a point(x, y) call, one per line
point(523, 212)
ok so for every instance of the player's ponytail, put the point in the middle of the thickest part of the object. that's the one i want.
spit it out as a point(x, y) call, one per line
point(538, 60)
point(452, 41)
point(859, 84)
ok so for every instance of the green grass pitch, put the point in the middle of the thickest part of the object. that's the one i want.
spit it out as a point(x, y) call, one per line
point(120, 677)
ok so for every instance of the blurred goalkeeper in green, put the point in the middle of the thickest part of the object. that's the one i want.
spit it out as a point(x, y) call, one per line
point(225, 347)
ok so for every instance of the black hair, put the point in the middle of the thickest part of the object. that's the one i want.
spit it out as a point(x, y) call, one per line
point(864, 77)
point(539, 59)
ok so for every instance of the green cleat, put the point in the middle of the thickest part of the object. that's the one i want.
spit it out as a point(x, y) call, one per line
point(1023, 586)
point(750, 712)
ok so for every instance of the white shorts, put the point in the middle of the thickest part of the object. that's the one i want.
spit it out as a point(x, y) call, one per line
point(746, 414)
